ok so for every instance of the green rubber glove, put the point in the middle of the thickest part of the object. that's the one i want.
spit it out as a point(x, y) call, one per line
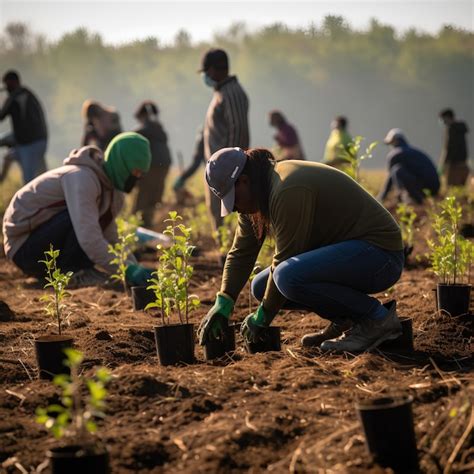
point(136, 275)
point(254, 324)
point(215, 321)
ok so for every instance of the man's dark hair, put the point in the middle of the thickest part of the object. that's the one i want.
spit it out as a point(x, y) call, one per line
point(341, 121)
point(11, 75)
point(257, 168)
point(447, 113)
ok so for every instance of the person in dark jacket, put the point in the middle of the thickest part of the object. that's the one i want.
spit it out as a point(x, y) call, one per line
point(29, 126)
point(410, 170)
point(454, 154)
point(152, 185)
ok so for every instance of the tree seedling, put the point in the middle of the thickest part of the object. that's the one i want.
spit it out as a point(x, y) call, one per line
point(225, 233)
point(451, 254)
point(75, 416)
point(350, 154)
point(406, 217)
point(58, 281)
point(127, 239)
point(171, 279)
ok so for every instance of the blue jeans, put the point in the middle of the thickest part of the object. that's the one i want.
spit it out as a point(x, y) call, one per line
point(31, 159)
point(59, 232)
point(335, 281)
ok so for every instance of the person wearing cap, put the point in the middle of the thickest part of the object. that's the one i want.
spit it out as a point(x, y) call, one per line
point(338, 141)
point(286, 137)
point(226, 123)
point(410, 170)
point(73, 208)
point(29, 126)
point(453, 162)
point(335, 245)
point(101, 124)
point(152, 185)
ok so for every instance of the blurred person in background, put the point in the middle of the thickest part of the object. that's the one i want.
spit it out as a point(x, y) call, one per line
point(288, 144)
point(335, 245)
point(454, 155)
point(226, 123)
point(338, 141)
point(30, 130)
point(73, 208)
point(101, 124)
point(410, 170)
point(152, 185)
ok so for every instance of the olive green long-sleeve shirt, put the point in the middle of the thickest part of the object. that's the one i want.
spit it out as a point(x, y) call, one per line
point(311, 205)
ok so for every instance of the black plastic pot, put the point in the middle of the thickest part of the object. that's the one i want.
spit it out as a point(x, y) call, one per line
point(218, 348)
point(389, 432)
point(270, 341)
point(175, 343)
point(50, 355)
point(454, 299)
point(141, 297)
point(467, 231)
point(78, 460)
point(403, 343)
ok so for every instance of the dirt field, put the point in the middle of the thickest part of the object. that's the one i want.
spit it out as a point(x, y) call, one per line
point(291, 411)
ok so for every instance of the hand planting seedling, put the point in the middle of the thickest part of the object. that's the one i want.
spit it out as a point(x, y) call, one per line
point(58, 281)
point(76, 416)
point(174, 272)
point(127, 239)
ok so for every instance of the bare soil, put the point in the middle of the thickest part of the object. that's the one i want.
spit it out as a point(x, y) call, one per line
point(288, 411)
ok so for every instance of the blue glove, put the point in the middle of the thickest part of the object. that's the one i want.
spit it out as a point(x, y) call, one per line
point(178, 184)
point(254, 324)
point(137, 275)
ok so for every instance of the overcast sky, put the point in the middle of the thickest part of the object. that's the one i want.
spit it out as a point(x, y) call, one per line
point(122, 21)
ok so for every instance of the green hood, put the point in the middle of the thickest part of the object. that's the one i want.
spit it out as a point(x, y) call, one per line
point(127, 151)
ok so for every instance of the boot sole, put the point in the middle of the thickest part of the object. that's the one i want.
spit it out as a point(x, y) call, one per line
point(380, 340)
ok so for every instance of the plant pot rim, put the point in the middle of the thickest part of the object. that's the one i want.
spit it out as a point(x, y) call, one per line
point(454, 285)
point(54, 338)
point(172, 325)
point(384, 403)
point(90, 449)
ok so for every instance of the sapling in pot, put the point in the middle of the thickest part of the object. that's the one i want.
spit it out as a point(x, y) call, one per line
point(126, 242)
point(49, 348)
point(170, 284)
point(451, 259)
point(74, 420)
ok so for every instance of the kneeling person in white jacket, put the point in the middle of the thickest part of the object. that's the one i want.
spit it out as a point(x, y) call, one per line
point(73, 207)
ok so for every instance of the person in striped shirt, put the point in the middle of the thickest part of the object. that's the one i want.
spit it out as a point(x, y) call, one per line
point(226, 123)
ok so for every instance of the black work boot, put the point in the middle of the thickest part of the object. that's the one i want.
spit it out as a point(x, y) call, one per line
point(335, 329)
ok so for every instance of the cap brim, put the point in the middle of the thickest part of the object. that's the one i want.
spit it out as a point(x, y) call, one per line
point(227, 202)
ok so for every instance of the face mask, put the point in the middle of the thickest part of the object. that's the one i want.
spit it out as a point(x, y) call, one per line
point(208, 81)
point(129, 183)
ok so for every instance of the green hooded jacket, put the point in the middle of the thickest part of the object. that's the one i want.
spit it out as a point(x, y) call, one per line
point(126, 152)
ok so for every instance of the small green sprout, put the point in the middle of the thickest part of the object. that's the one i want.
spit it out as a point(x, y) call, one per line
point(451, 255)
point(127, 239)
point(350, 154)
point(171, 279)
point(75, 416)
point(58, 281)
point(406, 217)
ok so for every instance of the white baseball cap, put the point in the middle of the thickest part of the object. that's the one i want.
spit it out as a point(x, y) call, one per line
point(392, 134)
